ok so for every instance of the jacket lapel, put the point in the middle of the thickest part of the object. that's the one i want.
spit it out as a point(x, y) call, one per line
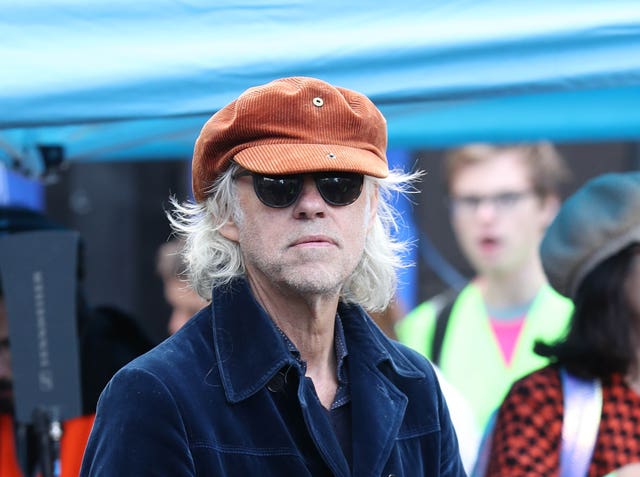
point(319, 426)
point(376, 419)
point(248, 347)
point(378, 406)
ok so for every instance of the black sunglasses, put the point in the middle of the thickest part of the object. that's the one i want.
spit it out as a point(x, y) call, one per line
point(336, 188)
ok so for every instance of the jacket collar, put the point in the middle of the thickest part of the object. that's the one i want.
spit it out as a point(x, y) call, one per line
point(364, 338)
point(250, 350)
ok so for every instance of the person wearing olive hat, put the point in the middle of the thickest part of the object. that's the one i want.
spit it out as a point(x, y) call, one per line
point(583, 411)
point(284, 373)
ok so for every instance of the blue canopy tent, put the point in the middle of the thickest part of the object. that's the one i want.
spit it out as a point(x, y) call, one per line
point(136, 80)
point(120, 80)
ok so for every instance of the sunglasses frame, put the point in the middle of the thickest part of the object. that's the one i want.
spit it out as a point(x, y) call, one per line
point(317, 177)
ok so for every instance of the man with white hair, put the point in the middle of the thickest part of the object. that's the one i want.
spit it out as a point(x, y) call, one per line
point(284, 373)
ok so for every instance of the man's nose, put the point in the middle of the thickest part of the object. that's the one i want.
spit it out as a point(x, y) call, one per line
point(310, 203)
point(486, 209)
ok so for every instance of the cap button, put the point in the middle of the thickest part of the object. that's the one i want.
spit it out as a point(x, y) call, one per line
point(318, 102)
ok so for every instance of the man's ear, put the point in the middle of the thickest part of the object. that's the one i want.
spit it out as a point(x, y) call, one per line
point(230, 231)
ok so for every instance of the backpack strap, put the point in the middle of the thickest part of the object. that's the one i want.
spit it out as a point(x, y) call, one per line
point(582, 410)
point(444, 305)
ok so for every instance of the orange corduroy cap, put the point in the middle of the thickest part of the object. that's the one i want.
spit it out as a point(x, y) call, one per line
point(291, 126)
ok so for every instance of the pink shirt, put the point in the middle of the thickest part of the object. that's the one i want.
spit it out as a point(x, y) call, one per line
point(506, 333)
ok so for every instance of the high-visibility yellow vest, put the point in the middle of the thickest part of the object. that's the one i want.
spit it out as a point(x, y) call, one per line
point(471, 358)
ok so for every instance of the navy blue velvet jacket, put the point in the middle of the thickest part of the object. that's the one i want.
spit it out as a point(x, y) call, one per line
point(211, 401)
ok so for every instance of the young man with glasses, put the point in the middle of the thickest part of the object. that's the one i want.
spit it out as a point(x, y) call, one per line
point(284, 373)
point(502, 198)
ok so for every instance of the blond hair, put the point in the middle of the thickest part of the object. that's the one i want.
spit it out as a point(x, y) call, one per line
point(548, 169)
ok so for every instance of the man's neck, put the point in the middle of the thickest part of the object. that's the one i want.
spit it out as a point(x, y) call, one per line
point(309, 322)
point(513, 289)
point(314, 337)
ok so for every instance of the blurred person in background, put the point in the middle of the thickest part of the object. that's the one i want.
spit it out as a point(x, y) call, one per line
point(183, 299)
point(591, 254)
point(502, 198)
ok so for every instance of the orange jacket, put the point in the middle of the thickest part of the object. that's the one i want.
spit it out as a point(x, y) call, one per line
point(74, 439)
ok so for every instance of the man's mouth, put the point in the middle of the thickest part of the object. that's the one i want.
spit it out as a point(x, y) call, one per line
point(488, 243)
point(313, 240)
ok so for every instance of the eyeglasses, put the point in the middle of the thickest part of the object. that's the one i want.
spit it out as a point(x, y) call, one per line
point(336, 188)
point(467, 204)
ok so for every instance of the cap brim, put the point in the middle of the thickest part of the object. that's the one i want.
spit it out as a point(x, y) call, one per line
point(301, 158)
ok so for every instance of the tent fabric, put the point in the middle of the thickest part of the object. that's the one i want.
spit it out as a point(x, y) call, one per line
point(136, 80)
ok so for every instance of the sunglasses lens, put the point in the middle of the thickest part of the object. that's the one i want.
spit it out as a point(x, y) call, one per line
point(336, 188)
point(340, 188)
point(277, 191)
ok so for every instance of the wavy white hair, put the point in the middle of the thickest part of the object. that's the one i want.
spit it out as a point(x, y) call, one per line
point(213, 260)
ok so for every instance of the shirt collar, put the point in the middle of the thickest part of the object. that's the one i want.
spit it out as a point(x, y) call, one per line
point(339, 344)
